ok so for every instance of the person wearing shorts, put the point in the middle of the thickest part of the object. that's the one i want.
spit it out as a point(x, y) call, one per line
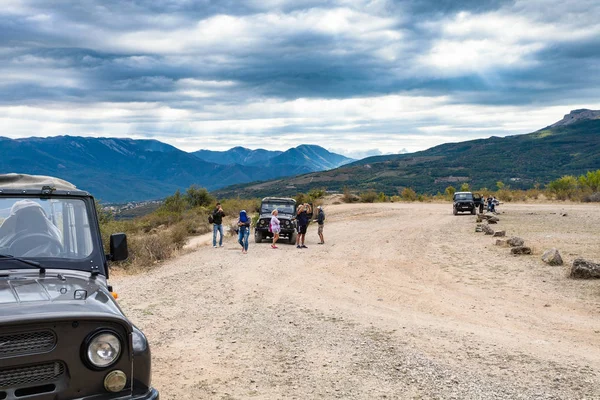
point(302, 216)
point(321, 222)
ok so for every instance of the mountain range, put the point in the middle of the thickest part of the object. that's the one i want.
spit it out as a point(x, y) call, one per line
point(295, 161)
point(569, 147)
point(122, 170)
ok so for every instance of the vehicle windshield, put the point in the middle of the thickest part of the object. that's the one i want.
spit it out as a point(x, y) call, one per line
point(283, 208)
point(463, 196)
point(45, 228)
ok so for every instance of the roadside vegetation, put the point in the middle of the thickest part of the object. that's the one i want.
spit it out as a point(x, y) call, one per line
point(160, 234)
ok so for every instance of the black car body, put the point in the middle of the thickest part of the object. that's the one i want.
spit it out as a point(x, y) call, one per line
point(463, 202)
point(287, 218)
point(63, 335)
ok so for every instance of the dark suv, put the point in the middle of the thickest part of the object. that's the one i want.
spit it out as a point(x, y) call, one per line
point(286, 216)
point(463, 201)
point(63, 335)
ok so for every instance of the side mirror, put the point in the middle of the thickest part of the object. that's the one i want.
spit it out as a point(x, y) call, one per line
point(118, 247)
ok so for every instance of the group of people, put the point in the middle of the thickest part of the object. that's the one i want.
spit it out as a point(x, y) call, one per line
point(492, 202)
point(303, 216)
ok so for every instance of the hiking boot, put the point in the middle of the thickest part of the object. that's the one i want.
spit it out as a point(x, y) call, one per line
point(298, 246)
point(303, 247)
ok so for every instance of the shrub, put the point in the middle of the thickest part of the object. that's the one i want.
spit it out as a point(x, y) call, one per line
point(563, 188)
point(232, 207)
point(368, 196)
point(591, 180)
point(408, 194)
point(174, 204)
point(179, 234)
point(594, 197)
point(348, 197)
point(196, 196)
point(145, 250)
point(465, 187)
point(450, 190)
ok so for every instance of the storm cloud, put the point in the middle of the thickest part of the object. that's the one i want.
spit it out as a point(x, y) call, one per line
point(360, 77)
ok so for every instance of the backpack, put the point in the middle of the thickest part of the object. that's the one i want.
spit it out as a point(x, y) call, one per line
point(210, 219)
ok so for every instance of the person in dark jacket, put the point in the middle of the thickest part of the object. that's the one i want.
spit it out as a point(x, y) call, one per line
point(303, 215)
point(218, 215)
point(321, 222)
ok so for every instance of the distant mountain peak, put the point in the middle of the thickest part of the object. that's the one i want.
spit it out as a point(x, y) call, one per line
point(574, 116)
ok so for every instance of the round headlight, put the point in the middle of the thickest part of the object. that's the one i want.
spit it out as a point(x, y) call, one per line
point(104, 350)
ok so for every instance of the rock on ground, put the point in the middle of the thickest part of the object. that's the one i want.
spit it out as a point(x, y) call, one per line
point(521, 250)
point(552, 257)
point(515, 241)
point(583, 269)
point(487, 229)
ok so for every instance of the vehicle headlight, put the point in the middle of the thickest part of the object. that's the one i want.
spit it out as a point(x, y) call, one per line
point(287, 223)
point(262, 222)
point(103, 349)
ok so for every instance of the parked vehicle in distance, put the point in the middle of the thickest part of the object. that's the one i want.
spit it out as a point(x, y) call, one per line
point(463, 201)
point(287, 218)
point(63, 334)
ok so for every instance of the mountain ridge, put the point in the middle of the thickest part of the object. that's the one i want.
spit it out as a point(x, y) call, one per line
point(124, 169)
point(517, 160)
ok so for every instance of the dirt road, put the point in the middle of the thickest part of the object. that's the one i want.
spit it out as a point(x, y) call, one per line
point(404, 301)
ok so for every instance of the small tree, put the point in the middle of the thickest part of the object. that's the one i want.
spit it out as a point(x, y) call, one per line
point(175, 203)
point(381, 197)
point(563, 188)
point(408, 194)
point(500, 185)
point(591, 180)
point(450, 190)
point(198, 197)
point(465, 187)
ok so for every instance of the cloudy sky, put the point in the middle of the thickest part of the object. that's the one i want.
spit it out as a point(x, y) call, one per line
point(355, 76)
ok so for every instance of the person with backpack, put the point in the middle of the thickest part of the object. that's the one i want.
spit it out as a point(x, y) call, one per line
point(302, 216)
point(217, 221)
point(243, 231)
point(275, 228)
point(321, 222)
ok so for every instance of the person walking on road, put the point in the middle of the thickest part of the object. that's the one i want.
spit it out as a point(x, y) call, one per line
point(275, 228)
point(218, 215)
point(302, 216)
point(321, 222)
point(244, 231)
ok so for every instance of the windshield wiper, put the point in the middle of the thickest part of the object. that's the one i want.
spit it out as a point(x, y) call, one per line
point(24, 261)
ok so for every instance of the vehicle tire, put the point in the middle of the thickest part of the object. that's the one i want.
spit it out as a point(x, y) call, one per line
point(293, 237)
point(258, 237)
point(455, 211)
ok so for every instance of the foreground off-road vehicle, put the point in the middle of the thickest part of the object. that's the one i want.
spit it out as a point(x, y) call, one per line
point(463, 201)
point(62, 334)
point(287, 219)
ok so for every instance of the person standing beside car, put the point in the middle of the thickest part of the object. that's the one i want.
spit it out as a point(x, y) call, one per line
point(321, 222)
point(217, 216)
point(302, 216)
point(244, 231)
point(275, 228)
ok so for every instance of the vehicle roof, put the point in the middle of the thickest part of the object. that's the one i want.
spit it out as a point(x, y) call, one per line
point(282, 199)
point(463, 192)
point(36, 183)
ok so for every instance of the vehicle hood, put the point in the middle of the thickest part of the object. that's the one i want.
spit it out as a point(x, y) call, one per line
point(55, 294)
point(280, 216)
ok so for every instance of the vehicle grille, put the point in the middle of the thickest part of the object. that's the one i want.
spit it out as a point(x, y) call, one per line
point(34, 374)
point(26, 343)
